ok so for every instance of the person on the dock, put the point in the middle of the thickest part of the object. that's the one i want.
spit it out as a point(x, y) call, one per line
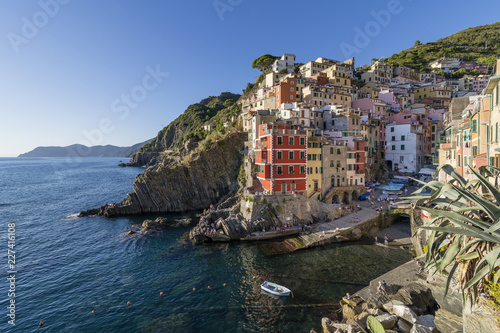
point(347, 296)
point(384, 285)
point(379, 288)
point(337, 229)
point(376, 239)
point(386, 240)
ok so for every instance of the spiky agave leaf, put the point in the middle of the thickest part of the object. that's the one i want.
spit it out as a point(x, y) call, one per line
point(465, 229)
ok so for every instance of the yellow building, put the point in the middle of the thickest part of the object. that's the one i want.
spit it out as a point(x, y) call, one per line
point(314, 163)
point(337, 74)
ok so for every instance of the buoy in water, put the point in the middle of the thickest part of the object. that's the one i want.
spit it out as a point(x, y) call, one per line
point(161, 293)
point(254, 277)
point(93, 311)
point(209, 288)
point(244, 281)
point(128, 303)
point(225, 284)
point(41, 323)
point(194, 289)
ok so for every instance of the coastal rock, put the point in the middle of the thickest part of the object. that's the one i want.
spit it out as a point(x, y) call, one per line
point(349, 312)
point(422, 329)
point(377, 301)
point(193, 185)
point(182, 222)
point(375, 312)
point(122, 165)
point(361, 318)
point(404, 326)
point(416, 296)
point(388, 321)
point(390, 305)
point(426, 320)
point(353, 301)
point(331, 327)
point(448, 322)
point(159, 223)
point(405, 313)
point(356, 234)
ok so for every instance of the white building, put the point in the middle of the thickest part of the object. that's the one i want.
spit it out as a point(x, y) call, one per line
point(287, 62)
point(404, 149)
point(447, 65)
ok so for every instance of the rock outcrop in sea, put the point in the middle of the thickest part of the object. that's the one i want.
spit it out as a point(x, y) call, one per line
point(203, 179)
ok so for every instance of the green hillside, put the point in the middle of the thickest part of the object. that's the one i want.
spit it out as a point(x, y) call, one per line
point(189, 125)
point(481, 44)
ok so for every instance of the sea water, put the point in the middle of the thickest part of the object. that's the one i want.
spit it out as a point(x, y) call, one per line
point(66, 267)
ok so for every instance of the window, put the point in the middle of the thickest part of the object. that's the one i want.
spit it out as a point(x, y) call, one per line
point(290, 170)
point(290, 141)
point(392, 129)
point(290, 155)
point(302, 141)
point(402, 138)
point(496, 131)
point(402, 147)
point(302, 169)
point(459, 159)
point(492, 161)
point(302, 155)
point(331, 150)
point(292, 89)
point(393, 138)
point(401, 159)
point(319, 157)
point(280, 140)
point(338, 151)
point(474, 126)
point(474, 150)
point(393, 147)
point(280, 170)
point(333, 122)
point(280, 155)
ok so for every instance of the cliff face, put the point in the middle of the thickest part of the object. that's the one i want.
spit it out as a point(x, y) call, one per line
point(190, 186)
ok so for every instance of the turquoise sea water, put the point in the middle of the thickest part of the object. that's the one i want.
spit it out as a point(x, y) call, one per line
point(67, 266)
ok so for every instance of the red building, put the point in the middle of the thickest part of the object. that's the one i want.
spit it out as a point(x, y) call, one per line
point(280, 158)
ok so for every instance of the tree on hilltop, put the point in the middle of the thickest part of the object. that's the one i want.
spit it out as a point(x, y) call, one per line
point(263, 62)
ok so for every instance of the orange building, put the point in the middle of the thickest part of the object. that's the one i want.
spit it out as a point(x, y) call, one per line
point(286, 92)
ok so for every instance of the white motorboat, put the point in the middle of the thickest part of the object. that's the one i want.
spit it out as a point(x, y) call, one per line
point(275, 289)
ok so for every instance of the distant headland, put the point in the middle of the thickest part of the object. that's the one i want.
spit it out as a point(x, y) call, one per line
point(78, 150)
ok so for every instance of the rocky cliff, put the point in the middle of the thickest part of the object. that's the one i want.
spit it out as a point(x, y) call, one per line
point(192, 185)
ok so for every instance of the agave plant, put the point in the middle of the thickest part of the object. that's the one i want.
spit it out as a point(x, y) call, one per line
point(465, 228)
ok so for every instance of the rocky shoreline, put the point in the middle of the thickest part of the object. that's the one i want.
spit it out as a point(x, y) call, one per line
point(406, 305)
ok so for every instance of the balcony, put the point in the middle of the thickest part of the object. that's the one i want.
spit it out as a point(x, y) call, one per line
point(448, 145)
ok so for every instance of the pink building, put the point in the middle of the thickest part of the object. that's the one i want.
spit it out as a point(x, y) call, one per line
point(389, 97)
point(469, 65)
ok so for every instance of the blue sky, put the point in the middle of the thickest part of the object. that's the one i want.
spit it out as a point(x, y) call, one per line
point(117, 71)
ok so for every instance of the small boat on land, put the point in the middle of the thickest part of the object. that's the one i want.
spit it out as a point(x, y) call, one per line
point(400, 179)
point(275, 289)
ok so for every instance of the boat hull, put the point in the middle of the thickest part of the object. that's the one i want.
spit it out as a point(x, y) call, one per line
point(275, 289)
